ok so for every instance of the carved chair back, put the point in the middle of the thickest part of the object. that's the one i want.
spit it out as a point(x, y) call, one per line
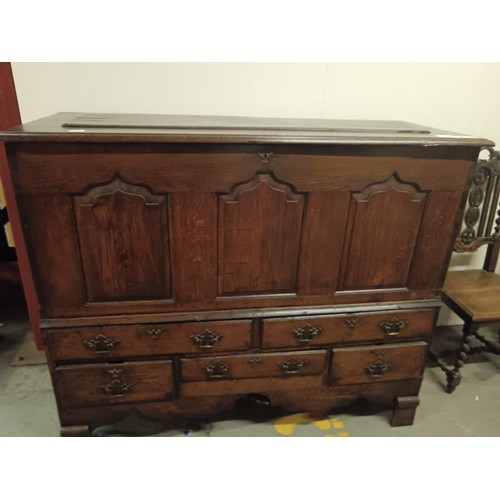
point(481, 224)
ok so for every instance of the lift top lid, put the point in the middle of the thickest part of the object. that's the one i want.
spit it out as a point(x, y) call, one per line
point(108, 127)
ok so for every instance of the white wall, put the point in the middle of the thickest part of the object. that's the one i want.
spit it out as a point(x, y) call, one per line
point(462, 97)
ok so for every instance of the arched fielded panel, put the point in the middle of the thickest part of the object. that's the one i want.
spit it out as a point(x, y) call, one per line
point(260, 228)
point(123, 234)
point(383, 227)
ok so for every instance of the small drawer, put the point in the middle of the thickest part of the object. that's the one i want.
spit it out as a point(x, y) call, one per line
point(114, 383)
point(348, 328)
point(360, 365)
point(259, 365)
point(253, 373)
point(149, 340)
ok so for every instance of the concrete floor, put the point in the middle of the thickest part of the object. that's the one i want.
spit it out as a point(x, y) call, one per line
point(27, 404)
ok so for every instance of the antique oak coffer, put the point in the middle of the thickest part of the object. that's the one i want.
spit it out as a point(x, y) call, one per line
point(185, 262)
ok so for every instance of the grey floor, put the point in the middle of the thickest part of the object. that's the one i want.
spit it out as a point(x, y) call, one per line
point(27, 404)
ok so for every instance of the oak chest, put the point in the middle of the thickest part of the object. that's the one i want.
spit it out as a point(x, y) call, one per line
point(185, 262)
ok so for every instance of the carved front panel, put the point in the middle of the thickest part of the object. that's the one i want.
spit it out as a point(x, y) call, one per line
point(310, 232)
point(384, 223)
point(260, 228)
point(123, 235)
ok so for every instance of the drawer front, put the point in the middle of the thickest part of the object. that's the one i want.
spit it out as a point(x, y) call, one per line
point(145, 340)
point(267, 365)
point(114, 383)
point(359, 365)
point(348, 328)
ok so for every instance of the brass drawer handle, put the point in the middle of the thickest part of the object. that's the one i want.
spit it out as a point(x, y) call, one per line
point(378, 367)
point(292, 366)
point(206, 339)
point(393, 326)
point(101, 344)
point(217, 370)
point(306, 333)
point(116, 387)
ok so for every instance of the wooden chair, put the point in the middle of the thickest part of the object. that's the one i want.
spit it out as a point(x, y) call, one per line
point(474, 295)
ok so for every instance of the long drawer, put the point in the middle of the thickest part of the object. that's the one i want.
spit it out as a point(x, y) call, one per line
point(149, 340)
point(360, 365)
point(109, 383)
point(348, 328)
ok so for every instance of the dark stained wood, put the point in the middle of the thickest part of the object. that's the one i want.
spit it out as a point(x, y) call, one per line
point(404, 410)
point(260, 229)
point(324, 227)
point(123, 236)
point(433, 250)
point(194, 230)
point(358, 365)
point(313, 398)
point(492, 255)
point(149, 340)
point(114, 383)
point(115, 128)
point(96, 313)
point(249, 385)
point(168, 168)
point(58, 272)
point(474, 295)
point(222, 314)
point(265, 365)
point(384, 221)
point(195, 250)
point(348, 328)
point(185, 263)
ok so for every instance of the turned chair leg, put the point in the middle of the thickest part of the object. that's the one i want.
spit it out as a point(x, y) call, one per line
point(453, 376)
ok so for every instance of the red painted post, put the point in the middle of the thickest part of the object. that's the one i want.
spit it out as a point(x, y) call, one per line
point(10, 117)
